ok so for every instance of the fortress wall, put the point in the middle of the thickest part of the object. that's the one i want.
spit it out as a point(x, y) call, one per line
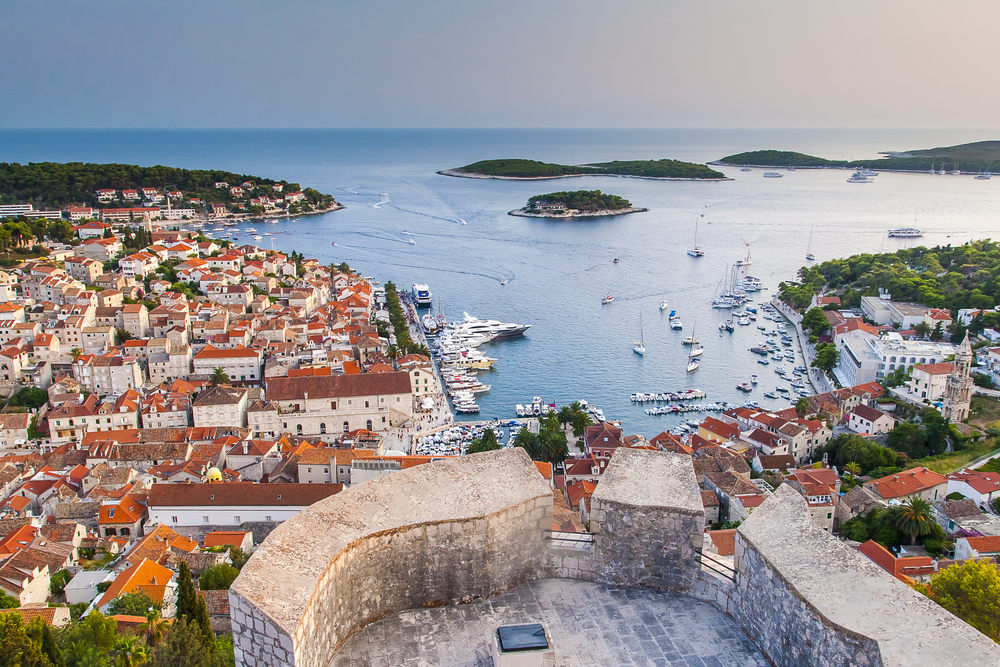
point(806, 598)
point(442, 533)
point(648, 520)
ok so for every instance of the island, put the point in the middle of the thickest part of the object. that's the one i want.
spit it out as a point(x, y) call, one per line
point(83, 190)
point(518, 169)
point(576, 204)
point(974, 158)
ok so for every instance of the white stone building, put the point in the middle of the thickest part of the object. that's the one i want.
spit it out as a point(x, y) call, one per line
point(220, 406)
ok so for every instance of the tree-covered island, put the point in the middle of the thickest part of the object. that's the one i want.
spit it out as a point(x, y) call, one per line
point(516, 169)
point(576, 204)
point(205, 192)
point(981, 156)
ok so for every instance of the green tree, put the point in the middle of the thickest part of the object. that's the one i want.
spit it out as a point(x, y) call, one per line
point(970, 591)
point(219, 376)
point(122, 335)
point(922, 329)
point(155, 627)
point(8, 601)
point(826, 356)
point(938, 332)
point(815, 320)
point(96, 631)
point(238, 557)
point(983, 380)
point(802, 407)
point(130, 651)
point(487, 443)
point(183, 647)
point(915, 519)
point(204, 623)
point(76, 353)
point(859, 532)
point(217, 578)
point(58, 581)
point(853, 468)
point(135, 603)
point(527, 441)
point(29, 397)
point(186, 595)
point(42, 634)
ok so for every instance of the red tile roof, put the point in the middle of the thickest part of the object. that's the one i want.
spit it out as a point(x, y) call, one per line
point(985, 545)
point(906, 482)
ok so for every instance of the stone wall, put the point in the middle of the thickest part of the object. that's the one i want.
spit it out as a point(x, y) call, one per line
point(442, 533)
point(648, 520)
point(806, 598)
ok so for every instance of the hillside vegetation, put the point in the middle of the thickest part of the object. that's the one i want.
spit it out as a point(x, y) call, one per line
point(975, 157)
point(951, 277)
point(53, 185)
point(582, 200)
point(516, 168)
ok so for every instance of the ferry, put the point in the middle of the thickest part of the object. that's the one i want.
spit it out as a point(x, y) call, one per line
point(773, 174)
point(421, 295)
point(906, 232)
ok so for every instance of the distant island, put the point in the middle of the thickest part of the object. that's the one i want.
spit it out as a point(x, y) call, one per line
point(976, 157)
point(517, 169)
point(576, 204)
point(215, 193)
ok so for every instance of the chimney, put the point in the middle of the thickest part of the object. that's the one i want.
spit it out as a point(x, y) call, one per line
point(246, 447)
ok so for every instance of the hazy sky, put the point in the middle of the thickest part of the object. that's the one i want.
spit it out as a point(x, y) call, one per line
point(512, 63)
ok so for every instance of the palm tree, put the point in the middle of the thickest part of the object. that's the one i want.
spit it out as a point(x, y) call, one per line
point(130, 651)
point(154, 626)
point(915, 519)
point(76, 353)
point(528, 441)
point(853, 468)
point(219, 376)
point(852, 449)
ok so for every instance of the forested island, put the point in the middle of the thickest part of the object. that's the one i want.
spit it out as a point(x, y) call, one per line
point(576, 204)
point(967, 158)
point(52, 185)
point(515, 169)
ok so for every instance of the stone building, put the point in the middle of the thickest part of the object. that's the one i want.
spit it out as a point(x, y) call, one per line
point(959, 385)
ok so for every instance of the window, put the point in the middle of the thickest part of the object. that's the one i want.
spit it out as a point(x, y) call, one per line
point(298, 429)
point(347, 427)
point(366, 404)
point(322, 428)
point(309, 469)
point(204, 519)
point(111, 513)
point(326, 470)
point(333, 405)
point(267, 517)
point(236, 518)
point(368, 424)
point(829, 515)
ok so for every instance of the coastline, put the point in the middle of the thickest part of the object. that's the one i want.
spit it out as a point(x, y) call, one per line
point(719, 163)
point(603, 213)
point(462, 174)
point(278, 216)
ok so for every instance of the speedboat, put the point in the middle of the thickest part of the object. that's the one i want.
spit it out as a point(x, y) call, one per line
point(690, 340)
point(608, 299)
point(753, 379)
point(412, 242)
point(333, 243)
point(663, 305)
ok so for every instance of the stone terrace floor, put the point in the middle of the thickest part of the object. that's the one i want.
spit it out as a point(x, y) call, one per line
point(588, 624)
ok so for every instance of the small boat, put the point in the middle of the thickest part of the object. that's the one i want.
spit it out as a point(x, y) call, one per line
point(258, 237)
point(744, 387)
point(858, 177)
point(462, 222)
point(696, 250)
point(412, 242)
point(663, 305)
point(983, 176)
point(697, 351)
point(638, 347)
point(503, 282)
point(773, 174)
point(693, 362)
point(809, 255)
point(616, 260)
point(770, 394)
point(764, 362)
point(753, 379)
point(333, 243)
point(693, 365)
point(608, 299)
point(690, 340)
point(746, 168)
point(906, 232)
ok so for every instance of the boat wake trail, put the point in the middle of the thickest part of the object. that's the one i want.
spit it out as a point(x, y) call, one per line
point(426, 215)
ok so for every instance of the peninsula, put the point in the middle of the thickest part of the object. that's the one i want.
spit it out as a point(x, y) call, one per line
point(84, 190)
point(517, 169)
point(576, 204)
point(973, 158)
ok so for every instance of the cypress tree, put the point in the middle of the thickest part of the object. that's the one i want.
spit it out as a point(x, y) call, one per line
point(204, 622)
point(186, 596)
point(49, 647)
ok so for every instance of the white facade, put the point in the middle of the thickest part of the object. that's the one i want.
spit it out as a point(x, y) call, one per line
point(240, 365)
point(233, 515)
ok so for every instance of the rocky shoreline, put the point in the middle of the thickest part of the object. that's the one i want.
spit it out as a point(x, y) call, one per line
point(573, 213)
point(462, 174)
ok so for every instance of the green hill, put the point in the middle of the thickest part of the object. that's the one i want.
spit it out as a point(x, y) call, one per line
point(974, 157)
point(518, 168)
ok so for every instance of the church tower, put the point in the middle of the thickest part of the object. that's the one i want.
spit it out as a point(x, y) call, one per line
point(958, 387)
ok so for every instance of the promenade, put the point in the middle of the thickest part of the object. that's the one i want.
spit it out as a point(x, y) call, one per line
point(817, 378)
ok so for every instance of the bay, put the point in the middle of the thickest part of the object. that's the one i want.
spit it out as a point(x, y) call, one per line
point(557, 272)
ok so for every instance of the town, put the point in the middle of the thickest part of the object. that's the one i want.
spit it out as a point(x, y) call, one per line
point(172, 399)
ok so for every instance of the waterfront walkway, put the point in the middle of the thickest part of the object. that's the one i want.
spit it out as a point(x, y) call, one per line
point(817, 378)
point(587, 625)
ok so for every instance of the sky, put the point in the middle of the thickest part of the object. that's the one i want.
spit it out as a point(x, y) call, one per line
point(509, 63)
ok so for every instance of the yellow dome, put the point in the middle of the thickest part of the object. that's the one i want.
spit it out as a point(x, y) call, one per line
point(214, 475)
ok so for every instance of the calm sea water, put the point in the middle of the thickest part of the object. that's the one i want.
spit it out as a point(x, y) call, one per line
point(557, 272)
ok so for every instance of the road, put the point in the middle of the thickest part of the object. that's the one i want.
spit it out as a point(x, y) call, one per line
point(817, 378)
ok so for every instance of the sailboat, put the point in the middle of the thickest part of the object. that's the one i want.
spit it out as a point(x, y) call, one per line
point(693, 361)
point(696, 251)
point(747, 261)
point(809, 255)
point(638, 347)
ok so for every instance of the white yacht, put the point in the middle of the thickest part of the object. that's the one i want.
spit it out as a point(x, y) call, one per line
point(421, 295)
point(250, 230)
point(906, 232)
point(696, 250)
point(773, 174)
point(639, 347)
point(494, 329)
point(858, 177)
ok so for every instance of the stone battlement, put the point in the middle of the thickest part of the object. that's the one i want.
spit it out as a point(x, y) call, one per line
point(468, 528)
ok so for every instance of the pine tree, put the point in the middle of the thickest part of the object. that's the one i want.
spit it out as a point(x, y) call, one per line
point(186, 596)
point(204, 622)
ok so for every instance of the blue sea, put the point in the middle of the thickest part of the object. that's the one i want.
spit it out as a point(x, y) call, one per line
point(558, 271)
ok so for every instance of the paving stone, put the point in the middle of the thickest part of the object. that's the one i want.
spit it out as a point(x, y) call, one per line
point(588, 624)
